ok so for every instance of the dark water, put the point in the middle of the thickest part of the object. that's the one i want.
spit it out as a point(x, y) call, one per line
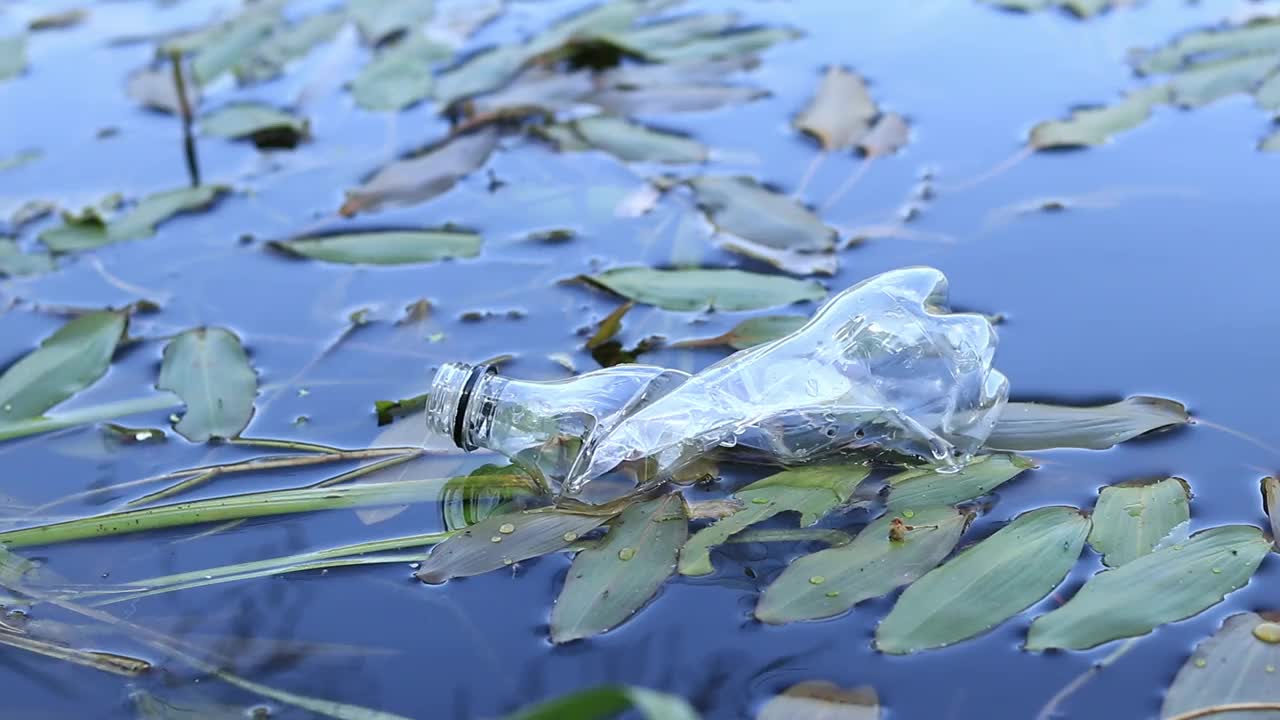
point(1167, 290)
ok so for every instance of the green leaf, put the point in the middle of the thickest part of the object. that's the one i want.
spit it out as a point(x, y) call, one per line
point(840, 114)
point(986, 584)
point(811, 491)
point(1211, 46)
point(209, 370)
point(1271, 143)
point(704, 289)
point(651, 40)
point(17, 263)
point(613, 580)
point(603, 703)
point(1170, 584)
point(1130, 519)
point(1271, 504)
point(671, 98)
point(820, 700)
point(741, 206)
point(86, 415)
point(502, 540)
point(384, 247)
point(745, 41)
point(468, 500)
point(19, 159)
point(1038, 426)
point(1096, 125)
point(886, 137)
point(68, 361)
point(1235, 666)
point(155, 88)
point(400, 76)
point(1207, 82)
point(106, 662)
point(419, 178)
point(750, 332)
point(13, 56)
point(626, 140)
point(1078, 8)
point(290, 43)
point(90, 230)
point(481, 73)
point(378, 19)
point(389, 410)
point(232, 42)
point(831, 581)
point(265, 125)
point(921, 487)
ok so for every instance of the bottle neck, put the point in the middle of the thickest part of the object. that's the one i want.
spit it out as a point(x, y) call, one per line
point(460, 403)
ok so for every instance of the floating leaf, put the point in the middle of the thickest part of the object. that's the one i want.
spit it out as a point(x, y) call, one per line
point(289, 43)
point(502, 540)
point(840, 114)
point(1130, 519)
point(1079, 8)
point(1204, 83)
point(385, 247)
point(1237, 666)
point(603, 703)
point(739, 42)
point(986, 584)
point(481, 73)
point(741, 206)
point(1039, 426)
point(815, 700)
point(58, 20)
point(209, 370)
point(751, 332)
point(19, 159)
point(68, 361)
point(13, 56)
point(831, 581)
point(1271, 504)
point(1262, 36)
point(811, 491)
point(609, 326)
point(886, 137)
point(611, 581)
point(156, 88)
point(265, 125)
point(700, 289)
point(926, 486)
point(400, 75)
point(420, 178)
point(1271, 143)
point(378, 19)
point(232, 42)
point(90, 229)
point(1096, 125)
point(672, 98)
point(106, 662)
point(1173, 583)
point(651, 40)
point(15, 262)
point(626, 140)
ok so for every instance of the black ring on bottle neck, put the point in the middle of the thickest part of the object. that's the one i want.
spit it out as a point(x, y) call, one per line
point(464, 400)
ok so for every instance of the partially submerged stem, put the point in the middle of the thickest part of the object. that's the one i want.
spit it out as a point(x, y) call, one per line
point(286, 445)
point(1226, 708)
point(184, 106)
point(848, 183)
point(84, 416)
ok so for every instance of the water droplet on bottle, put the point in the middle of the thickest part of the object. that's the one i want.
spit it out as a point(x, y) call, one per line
point(626, 553)
point(506, 528)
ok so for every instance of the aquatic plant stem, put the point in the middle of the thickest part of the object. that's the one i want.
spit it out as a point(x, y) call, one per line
point(84, 416)
point(999, 169)
point(1225, 708)
point(809, 172)
point(848, 183)
point(1050, 709)
point(285, 445)
point(184, 106)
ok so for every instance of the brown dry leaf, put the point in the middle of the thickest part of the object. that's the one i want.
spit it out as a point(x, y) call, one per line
point(840, 114)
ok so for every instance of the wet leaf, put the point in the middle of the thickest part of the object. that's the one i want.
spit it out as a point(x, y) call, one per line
point(389, 410)
point(831, 581)
point(613, 580)
point(811, 491)
point(1039, 426)
point(106, 662)
point(672, 98)
point(422, 177)
point(819, 700)
point(1096, 125)
point(751, 332)
point(209, 370)
point(155, 88)
point(610, 326)
point(987, 583)
point(14, 262)
point(603, 703)
point(485, 546)
point(13, 56)
point(703, 289)
point(400, 75)
point(265, 125)
point(1170, 584)
point(735, 43)
point(385, 247)
point(626, 140)
point(921, 487)
point(90, 229)
point(840, 114)
point(683, 73)
point(152, 707)
point(68, 361)
point(1271, 504)
point(290, 43)
point(886, 137)
point(379, 20)
point(741, 206)
point(58, 20)
point(1130, 519)
point(1237, 665)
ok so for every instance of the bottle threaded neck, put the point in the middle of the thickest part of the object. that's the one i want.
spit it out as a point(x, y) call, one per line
point(447, 400)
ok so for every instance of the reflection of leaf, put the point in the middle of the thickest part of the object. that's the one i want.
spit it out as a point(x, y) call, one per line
point(399, 76)
point(422, 177)
point(265, 125)
point(15, 262)
point(927, 486)
point(751, 332)
point(384, 247)
point(1237, 665)
point(986, 584)
point(626, 140)
point(68, 361)
point(209, 370)
point(815, 700)
point(289, 43)
point(1038, 426)
point(90, 229)
point(611, 581)
point(603, 703)
point(1096, 125)
point(1130, 519)
point(154, 88)
point(702, 289)
point(811, 491)
point(831, 581)
point(1170, 584)
point(13, 56)
point(379, 19)
point(840, 114)
point(502, 540)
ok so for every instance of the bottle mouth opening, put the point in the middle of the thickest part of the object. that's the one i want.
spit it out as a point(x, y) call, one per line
point(449, 398)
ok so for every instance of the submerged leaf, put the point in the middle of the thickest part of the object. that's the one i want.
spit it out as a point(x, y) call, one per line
point(400, 75)
point(1170, 584)
point(1095, 126)
point(611, 581)
point(1235, 666)
point(420, 178)
point(741, 206)
point(626, 140)
point(702, 289)
point(986, 584)
point(926, 486)
point(208, 369)
point(502, 540)
point(384, 247)
point(603, 703)
point(90, 229)
point(1130, 519)
point(815, 700)
point(840, 114)
point(870, 566)
point(13, 56)
point(265, 125)
point(1038, 426)
point(751, 332)
point(811, 491)
point(68, 361)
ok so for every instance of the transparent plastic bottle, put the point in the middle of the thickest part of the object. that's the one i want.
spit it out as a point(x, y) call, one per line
point(881, 364)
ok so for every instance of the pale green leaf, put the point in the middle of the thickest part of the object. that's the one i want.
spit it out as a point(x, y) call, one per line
point(421, 177)
point(289, 43)
point(702, 289)
point(921, 487)
point(741, 206)
point(68, 361)
point(1096, 125)
point(606, 703)
point(1039, 426)
point(210, 371)
point(265, 125)
point(17, 263)
point(626, 140)
point(13, 56)
point(1204, 83)
point(400, 75)
point(651, 39)
point(751, 332)
point(671, 98)
point(379, 19)
point(1238, 664)
point(820, 700)
point(745, 41)
point(1130, 519)
point(481, 73)
point(1211, 46)
point(385, 247)
point(231, 43)
point(89, 229)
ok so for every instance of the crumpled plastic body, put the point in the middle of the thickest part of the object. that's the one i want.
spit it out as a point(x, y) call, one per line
point(881, 364)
